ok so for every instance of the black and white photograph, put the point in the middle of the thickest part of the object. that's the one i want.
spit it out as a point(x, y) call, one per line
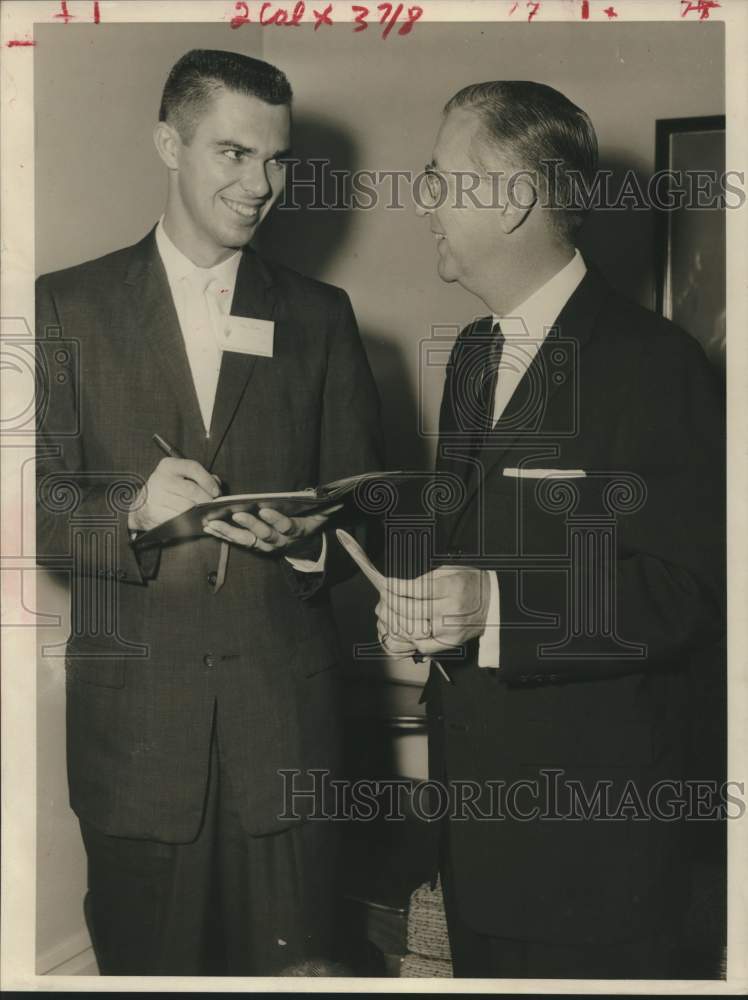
point(373, 541)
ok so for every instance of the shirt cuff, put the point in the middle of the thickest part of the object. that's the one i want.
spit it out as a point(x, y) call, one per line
point(489, 645)
point(311, 565)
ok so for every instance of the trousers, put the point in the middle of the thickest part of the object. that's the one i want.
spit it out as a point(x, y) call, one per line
point(481, 956)
point(225, 904)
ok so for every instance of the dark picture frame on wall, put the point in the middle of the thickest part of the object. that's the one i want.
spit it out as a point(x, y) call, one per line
point(690, 236)
point(691, 263)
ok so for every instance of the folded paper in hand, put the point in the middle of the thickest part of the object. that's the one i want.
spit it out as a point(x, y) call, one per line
point(359, 556)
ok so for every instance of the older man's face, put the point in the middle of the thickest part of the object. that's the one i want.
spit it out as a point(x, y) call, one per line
point(464, 222)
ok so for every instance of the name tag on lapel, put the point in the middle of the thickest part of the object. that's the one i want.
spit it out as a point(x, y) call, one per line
point(245, 335)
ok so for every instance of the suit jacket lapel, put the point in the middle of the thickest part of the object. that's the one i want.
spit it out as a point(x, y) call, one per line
point(156, 325)
point(458, 429)
point(575, 323)
point(254, 296)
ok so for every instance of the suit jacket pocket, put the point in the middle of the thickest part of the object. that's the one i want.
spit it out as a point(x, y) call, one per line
point(96, 670)
point(316, 654)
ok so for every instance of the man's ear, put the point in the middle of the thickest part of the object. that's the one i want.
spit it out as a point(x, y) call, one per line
point(521, 198)
point(167, 142)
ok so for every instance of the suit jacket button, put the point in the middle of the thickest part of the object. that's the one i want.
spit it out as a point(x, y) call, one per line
point(212, 577)
point(209, 661)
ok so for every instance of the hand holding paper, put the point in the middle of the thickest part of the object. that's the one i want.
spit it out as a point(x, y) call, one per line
point(392, 626)
point(272, 531)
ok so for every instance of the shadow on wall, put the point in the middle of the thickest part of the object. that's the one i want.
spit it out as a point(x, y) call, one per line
point(405, 447)
point(619, 241)
point(309, 240)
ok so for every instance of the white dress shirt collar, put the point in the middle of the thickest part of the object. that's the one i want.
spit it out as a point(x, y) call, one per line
point(178, 266)
point(526, 327)
point(532, 318)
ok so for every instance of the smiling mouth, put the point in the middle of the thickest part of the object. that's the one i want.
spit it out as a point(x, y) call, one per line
point(249, 213)
point(438, 236)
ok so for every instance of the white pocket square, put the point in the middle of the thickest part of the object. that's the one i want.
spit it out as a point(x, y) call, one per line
point(545, 473)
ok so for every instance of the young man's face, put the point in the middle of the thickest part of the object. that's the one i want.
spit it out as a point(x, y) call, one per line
point(468, 239)
point(230, 173)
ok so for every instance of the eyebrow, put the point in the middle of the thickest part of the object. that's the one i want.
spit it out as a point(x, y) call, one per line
point(280, 154)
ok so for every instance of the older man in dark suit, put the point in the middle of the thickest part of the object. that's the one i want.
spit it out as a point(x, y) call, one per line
point(578, 583)
point(190, 685)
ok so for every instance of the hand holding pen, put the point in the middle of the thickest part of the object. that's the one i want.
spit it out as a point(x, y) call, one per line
point(174, 486)
point(180, 482)
point(267, 531)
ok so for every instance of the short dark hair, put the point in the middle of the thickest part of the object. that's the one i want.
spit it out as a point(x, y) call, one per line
point(539, 130)
point(200, 73)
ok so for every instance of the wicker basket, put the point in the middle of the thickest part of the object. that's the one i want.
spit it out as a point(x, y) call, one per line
point(428, 942)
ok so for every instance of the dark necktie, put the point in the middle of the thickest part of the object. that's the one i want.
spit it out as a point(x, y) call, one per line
point(492, 351)
point(470, 388)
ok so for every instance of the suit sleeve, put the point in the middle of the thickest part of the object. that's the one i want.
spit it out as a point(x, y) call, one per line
point(81, 512)
point(667, 571)
point(350, 438)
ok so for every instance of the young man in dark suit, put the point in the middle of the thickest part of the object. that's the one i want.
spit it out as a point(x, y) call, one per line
point(192, 684)
point(579, 581)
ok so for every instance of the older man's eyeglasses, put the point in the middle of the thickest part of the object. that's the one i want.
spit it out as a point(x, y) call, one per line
point(436, 184)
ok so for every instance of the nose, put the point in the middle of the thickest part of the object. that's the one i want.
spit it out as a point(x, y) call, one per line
point(254, 180)
point(422, 211)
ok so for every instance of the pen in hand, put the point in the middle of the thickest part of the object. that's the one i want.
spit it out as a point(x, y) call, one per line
point(171, 452)
point(166, 448)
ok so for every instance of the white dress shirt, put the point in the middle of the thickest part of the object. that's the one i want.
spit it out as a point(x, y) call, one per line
point(202, 297)
point(524, 331)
